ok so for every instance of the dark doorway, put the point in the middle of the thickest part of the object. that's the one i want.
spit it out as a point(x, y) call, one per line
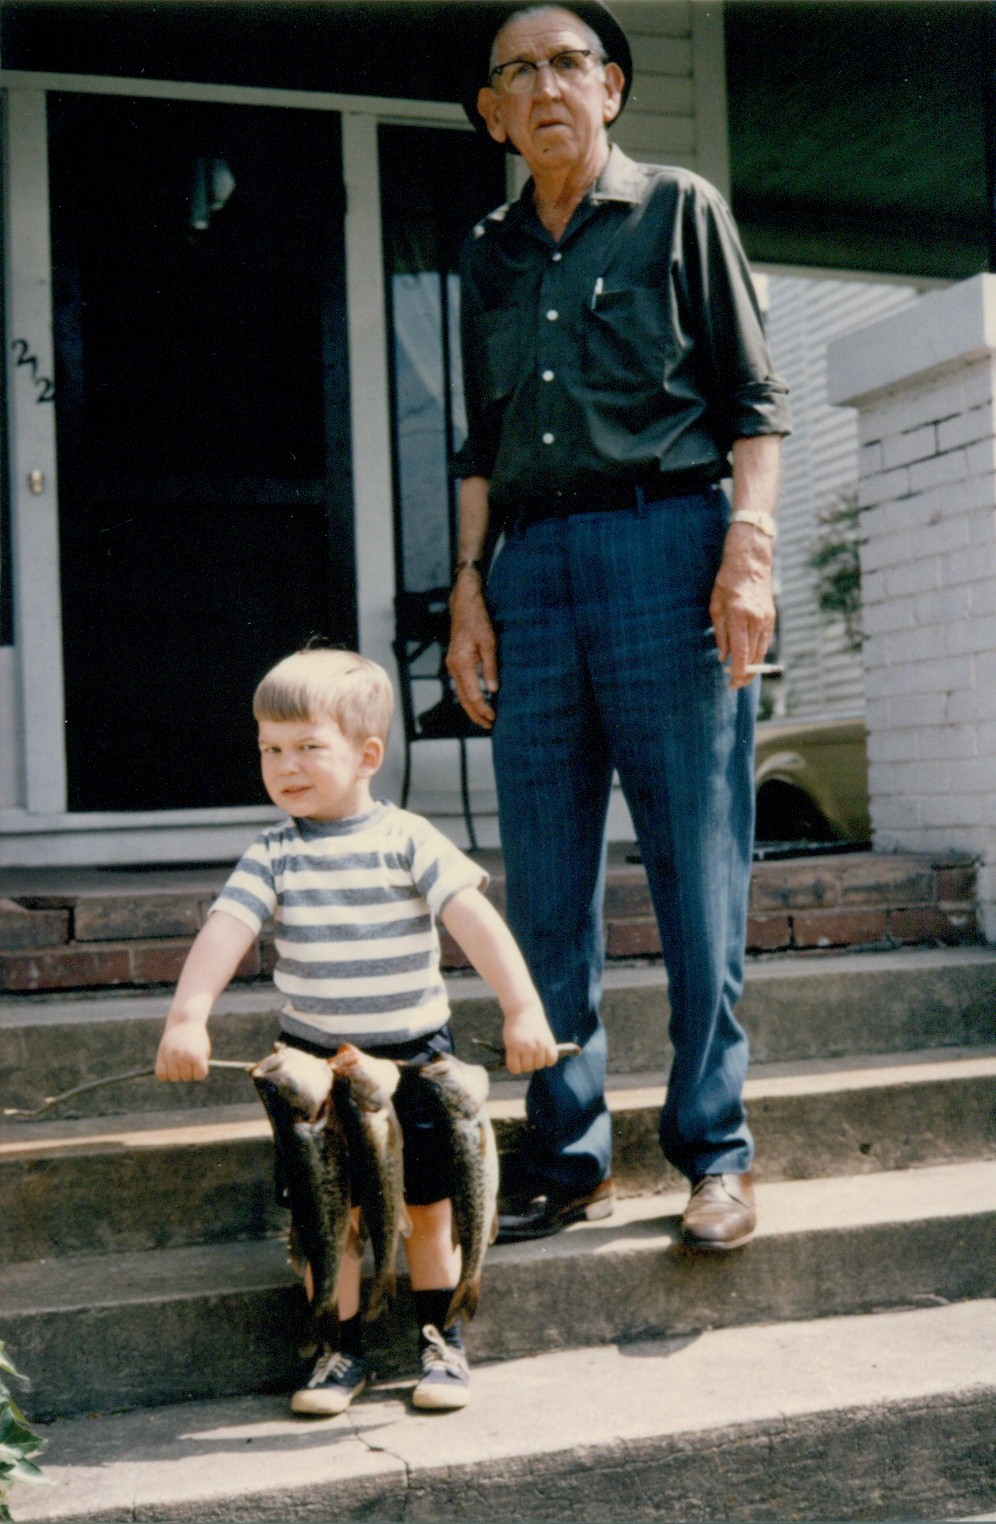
point(203, 432)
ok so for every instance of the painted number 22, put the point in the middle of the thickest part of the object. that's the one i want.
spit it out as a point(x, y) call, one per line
point(46, 389)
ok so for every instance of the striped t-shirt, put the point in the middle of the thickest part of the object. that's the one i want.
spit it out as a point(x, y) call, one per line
point(354, 904)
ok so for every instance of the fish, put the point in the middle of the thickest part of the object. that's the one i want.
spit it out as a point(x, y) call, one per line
point(462, 1090)
point(372, 1083)
point(313, 1151)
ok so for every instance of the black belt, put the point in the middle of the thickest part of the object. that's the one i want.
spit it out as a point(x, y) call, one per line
point(605, 497)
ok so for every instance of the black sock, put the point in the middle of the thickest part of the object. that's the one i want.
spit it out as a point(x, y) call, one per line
point(351, 1336)
point(432, 1307)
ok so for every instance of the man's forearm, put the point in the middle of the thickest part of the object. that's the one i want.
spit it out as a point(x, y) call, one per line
point(475, 518)
point(742, 605)
point(757, 474)
point(472, 658)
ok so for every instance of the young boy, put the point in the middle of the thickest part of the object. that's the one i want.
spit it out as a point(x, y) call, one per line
point(355, 887)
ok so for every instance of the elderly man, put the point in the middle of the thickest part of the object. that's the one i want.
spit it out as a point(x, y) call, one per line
point(615, 367)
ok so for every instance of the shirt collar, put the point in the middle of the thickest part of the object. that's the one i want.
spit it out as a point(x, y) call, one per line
point(620, 180)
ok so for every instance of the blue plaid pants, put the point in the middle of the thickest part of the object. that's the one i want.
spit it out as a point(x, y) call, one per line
point(607, 661)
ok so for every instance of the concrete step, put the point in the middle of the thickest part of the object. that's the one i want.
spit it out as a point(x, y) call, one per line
point(154, 1180)
point(110, 1332)
point(888, 1416)
point(795, 1008)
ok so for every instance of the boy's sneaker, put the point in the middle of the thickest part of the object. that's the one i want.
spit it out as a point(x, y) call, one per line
point(445, 1383)
point(335, 1381)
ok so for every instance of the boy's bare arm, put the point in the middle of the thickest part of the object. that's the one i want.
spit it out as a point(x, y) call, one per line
point(491, 948)
point(218, 949)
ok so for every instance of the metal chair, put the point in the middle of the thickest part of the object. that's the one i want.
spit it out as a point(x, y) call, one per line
point(422, 635)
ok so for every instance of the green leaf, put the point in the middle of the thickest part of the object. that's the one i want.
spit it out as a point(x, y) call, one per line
point(27, 1471)
point(7, 1364)
point(14, 1429)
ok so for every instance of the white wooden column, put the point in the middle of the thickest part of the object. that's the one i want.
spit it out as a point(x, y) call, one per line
point(33, 489)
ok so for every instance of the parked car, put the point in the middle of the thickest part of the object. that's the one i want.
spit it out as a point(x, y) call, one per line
point(811, 781)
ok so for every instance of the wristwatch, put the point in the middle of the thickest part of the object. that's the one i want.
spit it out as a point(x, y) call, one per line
point(460, 566)
point(762, 521)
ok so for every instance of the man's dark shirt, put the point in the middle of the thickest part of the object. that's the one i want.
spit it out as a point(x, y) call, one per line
point(633, 346)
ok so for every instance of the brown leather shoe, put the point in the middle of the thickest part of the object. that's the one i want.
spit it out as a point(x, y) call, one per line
point(720, 1213)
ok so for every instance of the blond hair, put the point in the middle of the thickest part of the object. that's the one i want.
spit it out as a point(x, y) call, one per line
point(323, 684)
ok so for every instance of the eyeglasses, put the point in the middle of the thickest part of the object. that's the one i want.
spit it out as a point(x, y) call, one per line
point(519, 75)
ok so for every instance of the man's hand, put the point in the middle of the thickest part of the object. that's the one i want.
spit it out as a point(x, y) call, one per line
point(472, 657)
point(742, 607)
point(184, 1052)
point(528, 1040)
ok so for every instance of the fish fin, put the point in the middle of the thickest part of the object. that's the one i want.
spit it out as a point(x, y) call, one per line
point(464, 1301)
point(493, 1234)
point(296, 1256)
point(404, 1223)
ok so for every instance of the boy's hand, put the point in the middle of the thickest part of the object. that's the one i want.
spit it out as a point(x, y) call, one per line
point(184, 1052)
point(529, 1042)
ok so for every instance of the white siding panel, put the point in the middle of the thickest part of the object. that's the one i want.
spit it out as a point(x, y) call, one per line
point(658, 125)
point(658, 139)
point(665, 93)
point(656, 18)
point(660, 55)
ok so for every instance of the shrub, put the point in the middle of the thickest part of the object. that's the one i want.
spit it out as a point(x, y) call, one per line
point(16, 1440)
point(835, 561)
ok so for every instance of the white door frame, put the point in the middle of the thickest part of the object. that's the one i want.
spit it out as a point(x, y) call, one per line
point(34, 501)
point(41, 829)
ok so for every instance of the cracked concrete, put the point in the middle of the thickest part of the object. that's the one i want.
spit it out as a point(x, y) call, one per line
point(761, 1420)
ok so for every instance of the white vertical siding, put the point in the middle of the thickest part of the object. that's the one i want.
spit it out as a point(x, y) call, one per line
point(821, 461)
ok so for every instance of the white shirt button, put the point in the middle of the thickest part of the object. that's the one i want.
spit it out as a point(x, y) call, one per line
point(557, 257)
point(548, 439)
point(552, 315)
point(548, 375)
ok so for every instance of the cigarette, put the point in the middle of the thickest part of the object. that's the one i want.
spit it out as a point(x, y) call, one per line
point(765, 668)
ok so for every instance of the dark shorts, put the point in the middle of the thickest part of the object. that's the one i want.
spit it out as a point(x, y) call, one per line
point(427, 1154)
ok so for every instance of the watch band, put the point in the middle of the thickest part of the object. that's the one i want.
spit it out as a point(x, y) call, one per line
point(460, 566)
point(762, 521)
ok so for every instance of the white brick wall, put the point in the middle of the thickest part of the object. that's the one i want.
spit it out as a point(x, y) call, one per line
point(927, 426)
point(823, 674)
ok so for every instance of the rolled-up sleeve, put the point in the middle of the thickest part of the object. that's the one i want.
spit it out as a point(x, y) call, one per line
point(751, 399)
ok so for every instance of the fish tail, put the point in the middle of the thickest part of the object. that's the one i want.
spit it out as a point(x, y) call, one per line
point(382, 1292)
point(326, 1326)
point(356, 1240)
point(464, 1301)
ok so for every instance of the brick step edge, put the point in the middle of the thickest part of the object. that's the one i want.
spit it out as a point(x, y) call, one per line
point(812, 930)
point(853, 900)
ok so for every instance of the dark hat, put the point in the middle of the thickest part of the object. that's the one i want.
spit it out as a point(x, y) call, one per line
point(489, 16)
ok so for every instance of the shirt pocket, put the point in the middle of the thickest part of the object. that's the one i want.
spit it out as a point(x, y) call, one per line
point(496, 348)
point(629, 341)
